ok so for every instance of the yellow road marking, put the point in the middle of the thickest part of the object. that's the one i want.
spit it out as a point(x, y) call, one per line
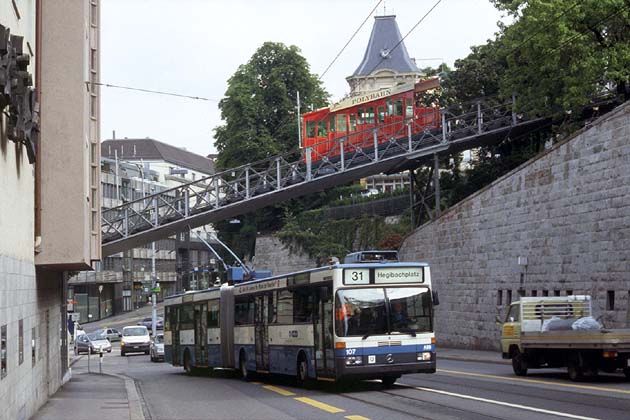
point(320, 405)
point(278, 390)
point(356, 418)
point(537, 381)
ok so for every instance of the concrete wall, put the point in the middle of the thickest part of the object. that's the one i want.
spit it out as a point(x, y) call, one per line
point(34, 298)
point(70, 149)
point(272, 254)
point(567, 212)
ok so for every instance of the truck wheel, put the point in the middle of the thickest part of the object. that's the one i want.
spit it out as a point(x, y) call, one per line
point(574, 370)
point(519, 364)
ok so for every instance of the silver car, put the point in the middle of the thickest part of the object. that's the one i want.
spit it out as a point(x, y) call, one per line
point(92, 343)
point(112, 334)
point(157, 347)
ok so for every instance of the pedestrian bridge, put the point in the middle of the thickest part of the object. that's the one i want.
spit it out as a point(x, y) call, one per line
point(250, 187)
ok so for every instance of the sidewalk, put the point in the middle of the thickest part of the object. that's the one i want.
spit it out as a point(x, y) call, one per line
point(92, 396)
point(481, 356)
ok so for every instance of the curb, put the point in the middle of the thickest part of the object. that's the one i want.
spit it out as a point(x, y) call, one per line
point(135, 402)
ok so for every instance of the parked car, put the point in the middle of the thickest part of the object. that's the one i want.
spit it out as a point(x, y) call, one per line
point(92, 343)
point(157, 347)
point(112, 334)
point(148, 322)
point(135, 339)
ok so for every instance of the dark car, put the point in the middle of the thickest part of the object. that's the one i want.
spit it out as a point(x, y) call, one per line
point(148, 322)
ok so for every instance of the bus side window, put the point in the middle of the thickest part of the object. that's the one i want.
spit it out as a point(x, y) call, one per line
point(310, 129)
point(353, 122)
point(390, 107)
point(381, 114)
point(284, 307)
point(398, 107)
point(213, 314)
point(244, 311)
point(408, 108)
point(332, 123)
point(361, 116)
point(302, 305)
point(322, 128)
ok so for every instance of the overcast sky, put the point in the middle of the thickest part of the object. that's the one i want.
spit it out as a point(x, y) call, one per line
point(192, 47)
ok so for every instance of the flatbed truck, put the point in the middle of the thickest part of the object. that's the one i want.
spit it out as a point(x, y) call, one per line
point(537, 333)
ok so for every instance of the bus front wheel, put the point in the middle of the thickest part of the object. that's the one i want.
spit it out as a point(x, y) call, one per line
point(389, 381)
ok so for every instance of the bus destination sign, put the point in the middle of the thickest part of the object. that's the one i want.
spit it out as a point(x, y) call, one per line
point(399, 275)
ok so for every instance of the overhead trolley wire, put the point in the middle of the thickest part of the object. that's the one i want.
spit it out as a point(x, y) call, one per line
point(350, 40)
point(157, 92)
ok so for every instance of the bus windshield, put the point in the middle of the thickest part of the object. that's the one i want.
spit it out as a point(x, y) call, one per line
point(380, 311)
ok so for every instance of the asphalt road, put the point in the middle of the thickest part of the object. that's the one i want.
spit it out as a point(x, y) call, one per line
point(459, 390)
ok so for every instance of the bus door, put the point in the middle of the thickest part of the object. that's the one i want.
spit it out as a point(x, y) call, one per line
point(323, 329)
point(261, 327)
point(201, 334)
point(176, 352)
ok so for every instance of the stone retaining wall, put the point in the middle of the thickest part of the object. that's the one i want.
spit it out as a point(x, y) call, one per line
point(565, 213)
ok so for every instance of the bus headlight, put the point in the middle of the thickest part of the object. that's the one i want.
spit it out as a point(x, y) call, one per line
point(354, 360)
point(424, 356)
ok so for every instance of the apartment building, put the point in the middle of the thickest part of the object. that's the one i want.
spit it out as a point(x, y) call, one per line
point(49, 168)
point(132, 169)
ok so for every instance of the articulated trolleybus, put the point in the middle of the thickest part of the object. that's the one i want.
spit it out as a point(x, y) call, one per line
point(339, 322)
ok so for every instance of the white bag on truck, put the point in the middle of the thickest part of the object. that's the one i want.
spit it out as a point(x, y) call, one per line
point(586, 323)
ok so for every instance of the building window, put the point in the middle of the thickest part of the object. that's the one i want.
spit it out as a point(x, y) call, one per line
point(610, 300)
point(3, 351)
point(534, 293)
point(521, 293)
point(21, 340)
point(556, 292)
point(545, 293)
point(569, 292)
point(33, 345)
point(500, 297)
point(94, 13)
point(509, 297)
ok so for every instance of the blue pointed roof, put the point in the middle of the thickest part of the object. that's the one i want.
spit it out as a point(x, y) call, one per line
point(379, 55)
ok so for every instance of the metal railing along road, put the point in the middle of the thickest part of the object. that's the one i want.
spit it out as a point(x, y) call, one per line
point(281, 177)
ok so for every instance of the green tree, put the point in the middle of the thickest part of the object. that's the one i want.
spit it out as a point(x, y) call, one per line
point(259, 108)
point(259, 121)
point(560, 53)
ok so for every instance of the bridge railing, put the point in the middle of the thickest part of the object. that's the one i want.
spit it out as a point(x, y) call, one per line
point(356, 149)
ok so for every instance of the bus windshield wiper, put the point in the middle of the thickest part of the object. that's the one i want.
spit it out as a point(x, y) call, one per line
point(410, 332)
point(366, 336)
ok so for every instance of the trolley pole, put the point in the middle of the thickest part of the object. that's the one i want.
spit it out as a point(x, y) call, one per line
point(153, 286)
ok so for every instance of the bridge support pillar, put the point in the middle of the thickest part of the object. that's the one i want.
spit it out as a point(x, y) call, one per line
point(375, 146)
point(309, 164)
point(342, 154)
point(247, 182)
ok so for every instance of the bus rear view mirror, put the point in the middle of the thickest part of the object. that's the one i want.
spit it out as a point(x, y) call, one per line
point(436, 299)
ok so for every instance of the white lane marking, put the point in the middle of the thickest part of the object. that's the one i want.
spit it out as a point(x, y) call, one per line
point(505, 404)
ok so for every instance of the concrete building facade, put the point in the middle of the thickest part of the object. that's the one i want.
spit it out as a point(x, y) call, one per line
point(131, 169)
point(50, 212)
point(557, 225)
